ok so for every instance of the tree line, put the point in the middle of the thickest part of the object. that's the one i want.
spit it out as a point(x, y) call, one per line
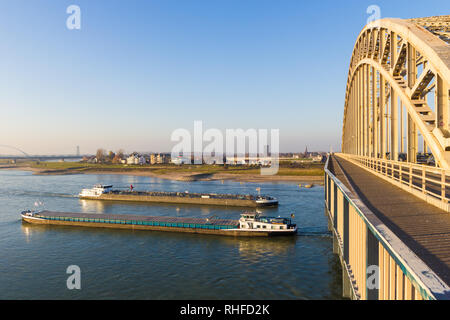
point(109, 157)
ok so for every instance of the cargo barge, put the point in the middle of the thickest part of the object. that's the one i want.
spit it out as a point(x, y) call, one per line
point(105, 192)
point(250, 224)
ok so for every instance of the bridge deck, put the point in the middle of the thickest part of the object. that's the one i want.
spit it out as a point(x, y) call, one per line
point(424, 228)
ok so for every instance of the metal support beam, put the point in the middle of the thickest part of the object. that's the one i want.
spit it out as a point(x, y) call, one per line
point(394, 125)
point(374, 113)
point(365, 110)
point(412, 67)
point(402, 130)
point(368, 112)
point(381, 102)
point(442, 103)
point(412, 141)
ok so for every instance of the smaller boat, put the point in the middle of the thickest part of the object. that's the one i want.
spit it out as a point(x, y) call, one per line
point(308, 186)
point(266, 201)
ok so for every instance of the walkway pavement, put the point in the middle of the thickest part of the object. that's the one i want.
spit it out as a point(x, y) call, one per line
point(424, 228)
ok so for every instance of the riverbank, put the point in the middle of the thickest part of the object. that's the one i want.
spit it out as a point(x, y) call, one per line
point(177, 173)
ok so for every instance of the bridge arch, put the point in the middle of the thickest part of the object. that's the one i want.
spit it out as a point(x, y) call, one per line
point(14, 148)
point(398, 89)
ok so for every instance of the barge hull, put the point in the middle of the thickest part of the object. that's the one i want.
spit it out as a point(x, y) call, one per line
point(216, 226)
point(223, 232)
point(182, 200)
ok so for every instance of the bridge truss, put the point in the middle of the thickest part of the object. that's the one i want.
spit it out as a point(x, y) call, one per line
point(397, 96)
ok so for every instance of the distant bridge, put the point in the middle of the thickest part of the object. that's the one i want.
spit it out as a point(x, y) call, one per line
point(26, 156)
point(387, 194)
point(14, 148)
point(42, 157)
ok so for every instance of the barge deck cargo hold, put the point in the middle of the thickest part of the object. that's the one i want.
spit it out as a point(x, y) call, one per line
point(250, 224)
point(105, 192)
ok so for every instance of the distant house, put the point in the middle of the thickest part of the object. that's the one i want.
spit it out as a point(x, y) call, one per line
point(180, 160)
point(248, 160)
point(163, 158)
point(159, 158)
point(136, 159)
point(231, 160)
point(153, 158)
point(213, 159)
point(266, 161)
point(132, 159)
point(92, 160)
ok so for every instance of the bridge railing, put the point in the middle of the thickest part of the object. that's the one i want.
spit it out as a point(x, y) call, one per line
point(376, 264)
point(431, 184)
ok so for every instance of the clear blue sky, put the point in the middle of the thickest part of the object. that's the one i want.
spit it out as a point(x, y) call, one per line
point(137, 70)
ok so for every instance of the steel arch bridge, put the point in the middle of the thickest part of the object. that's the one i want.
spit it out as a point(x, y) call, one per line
point(16, 149)
point(397, 95)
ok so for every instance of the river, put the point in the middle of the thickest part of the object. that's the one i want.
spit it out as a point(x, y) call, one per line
point(126, 264)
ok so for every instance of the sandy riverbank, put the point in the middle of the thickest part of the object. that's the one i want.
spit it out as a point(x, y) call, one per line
point(179, 176)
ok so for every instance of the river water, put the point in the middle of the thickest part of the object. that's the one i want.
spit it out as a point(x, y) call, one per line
point(126, 264)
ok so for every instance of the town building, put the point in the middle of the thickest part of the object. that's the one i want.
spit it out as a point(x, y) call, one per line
point(136, 159)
